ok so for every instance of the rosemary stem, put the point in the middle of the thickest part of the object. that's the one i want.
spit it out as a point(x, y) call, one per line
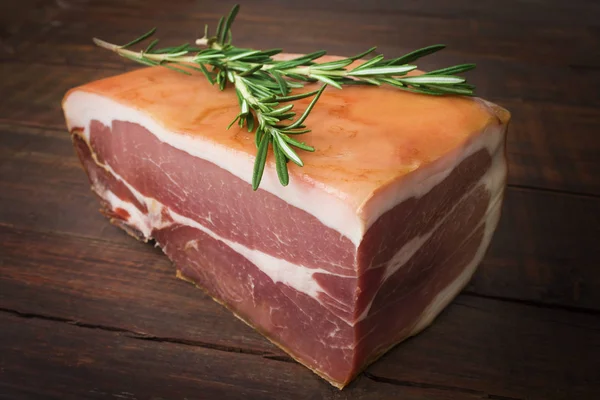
point(135, 54)
point(307, 71)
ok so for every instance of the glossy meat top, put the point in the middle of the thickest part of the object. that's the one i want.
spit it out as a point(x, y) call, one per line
point(364, 137)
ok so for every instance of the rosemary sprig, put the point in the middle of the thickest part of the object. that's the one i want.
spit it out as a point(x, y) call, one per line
point(263, 84)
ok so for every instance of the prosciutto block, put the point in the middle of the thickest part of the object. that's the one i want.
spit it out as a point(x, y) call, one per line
point(373, 237)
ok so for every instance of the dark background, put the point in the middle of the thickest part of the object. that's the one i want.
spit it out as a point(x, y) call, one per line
point(87, 312)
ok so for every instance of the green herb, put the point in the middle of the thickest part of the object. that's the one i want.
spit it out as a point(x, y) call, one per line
point(263, 85)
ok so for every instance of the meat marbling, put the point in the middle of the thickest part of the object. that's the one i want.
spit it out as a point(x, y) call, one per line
point(373, 237)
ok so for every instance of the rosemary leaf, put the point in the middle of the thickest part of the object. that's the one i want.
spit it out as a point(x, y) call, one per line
point(437, 79)
point(139, 39)
point(234, 120)
point(367, 64)
point(220, 28)
point(300, 120)
point(151, 46)
point(296, 96)
point(297, 76)
point(327, 80)
point(451, 90)
point(260, 161)
point(394, 70)
point(283, 85)
point(289, 115)
point(228, 22)
point(332, 65)
point(364, 53)
point(297, 131)
point(272, 52)
point(371, 81)
point(243, 55)
point(457, 69)
point(281, 110)
point(207, 74)
point(415, 55)
point(287, 150)
point(280, 164)
point(250, 122)
point(183, 71)
point(300, 145)
point(252, 70)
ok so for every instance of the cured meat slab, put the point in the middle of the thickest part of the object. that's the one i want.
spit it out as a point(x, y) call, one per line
point(373, 237)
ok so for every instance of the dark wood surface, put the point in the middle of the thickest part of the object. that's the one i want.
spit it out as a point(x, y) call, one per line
point(88, 312)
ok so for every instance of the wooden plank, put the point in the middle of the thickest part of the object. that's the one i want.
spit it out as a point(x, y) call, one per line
point(44, 187)
point(49, 359)
point(510, 350)
point(557, 13)
point(539, 41)
point(553, 13)
point(38, 101)
point(21, 18)
point(544, 250)
point(534, 256)
point(549, 146)
point(498, 76)
point(554, 147)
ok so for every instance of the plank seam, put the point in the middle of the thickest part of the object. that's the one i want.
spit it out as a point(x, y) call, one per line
point(532, 303)
point(143, 336)
point(422, 385)
point(552, 191)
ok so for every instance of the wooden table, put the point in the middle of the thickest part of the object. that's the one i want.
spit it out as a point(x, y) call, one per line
point(88, 312)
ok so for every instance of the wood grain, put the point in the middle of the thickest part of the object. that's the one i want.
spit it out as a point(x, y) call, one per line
point(509, 350)
point(536, 255)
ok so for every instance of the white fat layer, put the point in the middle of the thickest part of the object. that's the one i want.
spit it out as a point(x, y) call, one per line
point(82, 107)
